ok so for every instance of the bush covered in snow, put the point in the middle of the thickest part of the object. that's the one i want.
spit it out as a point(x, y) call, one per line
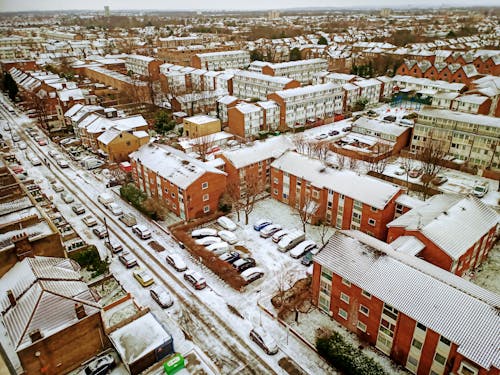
point(345, 357)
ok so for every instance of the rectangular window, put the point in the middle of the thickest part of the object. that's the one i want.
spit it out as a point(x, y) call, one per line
point(344, 297)
point(206, 209)
point(366, 294)
point(205, 197)
point(467, 369)
point(346, 282)
point(315, 194)
point(204, 185)
point(445, 341)
point(440, 359)
point(372, 222)
point(416, 344)
point(421, 326)
point(373, 209)
point(327, 274)
point(364, 310)
point(275, 180)
point(343, 314)
point(361, 326)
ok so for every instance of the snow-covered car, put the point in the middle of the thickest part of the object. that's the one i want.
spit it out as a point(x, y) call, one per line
point(399, 172)
point(89, 221)
point(252, 274)
point(321, 136)
point(269, 230)
point(480, 189)
point(67, 198)
point(279, 235)
point(195, 279)
point(100, 365)
point(226, 223)
point(228, 236)
point(302, 248)
point(229, 256)
point(439, 180)
point(261, 224)
point(62, 163)
point(22, 145)
point(57, 187)
point(218, 247)
point(127, 259)
point(142, 231)
point(243, 264)
point(205, 241)
point(115, 209)
point(78, 209)
point(176, 261)
point(415, 172)
point(264, 340)
point(203, 232)
point(100, 231)
point(161, 296)
point(54, 154)
point(143, 277)
point(113, 245)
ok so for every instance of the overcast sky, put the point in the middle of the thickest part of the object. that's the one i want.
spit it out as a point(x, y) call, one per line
point(26, 5)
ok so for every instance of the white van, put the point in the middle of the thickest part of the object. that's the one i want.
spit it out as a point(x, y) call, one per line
point(92, 163)
point(291, 240)
point(105, 199)
point(142, 231)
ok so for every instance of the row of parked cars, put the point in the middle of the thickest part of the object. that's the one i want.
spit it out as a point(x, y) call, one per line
point(288, 240)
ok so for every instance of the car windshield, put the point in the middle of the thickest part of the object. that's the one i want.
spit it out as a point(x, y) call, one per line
point(480, 189)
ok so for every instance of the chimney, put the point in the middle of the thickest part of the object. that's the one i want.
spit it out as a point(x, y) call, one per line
point(80, 311)
point(63, 85)
point(35, 335)
point(12, 298)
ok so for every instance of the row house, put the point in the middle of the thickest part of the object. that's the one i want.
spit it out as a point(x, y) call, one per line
point(467, 137)
point(188, 187)
point(387, 88)
point(424, 318)
point(336, 78)
point(250, 162)
point(117, 144)
point(20, 64)
point(197, 102)
point(444, 99)
point(183, 55)
point(484, 63)
point(370, 89)
point(447, 72)
point(442, 224)
point(221, 60)
point(246, 120)
point(145, 66)
point(303, 71)
point(488, 86)
point(177, 41)
point(256, 85)
point(308, 105)
point(341, 198)
point(473, 103)
point(419, 84)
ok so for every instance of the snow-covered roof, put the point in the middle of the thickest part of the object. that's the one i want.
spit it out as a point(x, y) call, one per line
point(73, 110)
point(110, 134)
point(262, 77)
point(460, 117)
point(380, 126)
point(139, 338)
point(68, 94)
point(363, 188)
point(446, 220)
point(408, 201)
point(200, 119)
point(171, 164)
point(464, 313)
point(147, 59)
point(473, 99)
point(305, 90)
point(261, 150)
point(140, 134)
point(298, 63)
point(227, 99)
point(408, 244)
point(247, 107)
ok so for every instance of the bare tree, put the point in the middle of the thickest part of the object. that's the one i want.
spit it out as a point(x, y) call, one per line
point(284, 281)
point(300, 143)
point(249, 191)
point(341, 161)
point(232, 194)
point(377, 166)
point(39, 104)
point(431, 155)
point(407, 164)
point(325, 231)
point(353, 164)
point(203, 145)
point(317, 149)
point(306, 209)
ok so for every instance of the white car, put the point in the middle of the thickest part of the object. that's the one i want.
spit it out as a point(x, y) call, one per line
point(226, 223)
point(205, 241)
point(22, 145)
point(161, 296)
point(203, 232)
point(115, 209)
point(269, 230)
point(228, 236)
point(302, 248)
point(218, 247)
point(62, 163)
point(176, 261)
point(67, 198)
point(279, 235)
point(57, 187)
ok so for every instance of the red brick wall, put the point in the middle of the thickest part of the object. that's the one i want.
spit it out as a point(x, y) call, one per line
point(236, 122)
point(403, 336)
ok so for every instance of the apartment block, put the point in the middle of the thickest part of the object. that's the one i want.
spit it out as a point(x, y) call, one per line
point(442, 224)
point(402, 306)
point(221, 60)
point(467, 137)
point(370, 89)
point(143, 65)
point(341, 198)
point(117, 144)
point(308, 105)
point(200, 125)
point(188, 187)
point(303, 71)
point(223, 105)
point(255, 85)
point(418, 84)
point(197, 102)
point(245, 120)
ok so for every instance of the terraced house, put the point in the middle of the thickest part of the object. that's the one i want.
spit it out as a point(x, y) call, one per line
point(255, 85)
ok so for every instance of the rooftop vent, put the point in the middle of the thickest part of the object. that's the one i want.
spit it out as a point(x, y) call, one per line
point(35, 335)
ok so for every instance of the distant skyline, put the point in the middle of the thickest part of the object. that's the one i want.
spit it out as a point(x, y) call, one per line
point(44, 5)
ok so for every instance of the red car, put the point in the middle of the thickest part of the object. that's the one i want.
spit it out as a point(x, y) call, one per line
point(42, 142)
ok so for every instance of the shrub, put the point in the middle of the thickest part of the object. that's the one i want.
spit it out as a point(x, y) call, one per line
point(345, 357)
point(91, 260)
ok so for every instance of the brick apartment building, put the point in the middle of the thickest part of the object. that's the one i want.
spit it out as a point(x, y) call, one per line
point(145, 66)
point(422, 317)
point(221, 60)
point(117, 144)
point(223, 105)
point(188, 187)
point(442, 224)
point(308, 105)
point(341, 198)
point(248, 85)
point(303, 71)
point(246, 120)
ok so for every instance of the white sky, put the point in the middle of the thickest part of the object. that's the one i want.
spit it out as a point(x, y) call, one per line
point(26, 5)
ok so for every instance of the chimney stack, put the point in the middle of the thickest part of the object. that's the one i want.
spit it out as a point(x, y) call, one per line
point(35, 335)
point(12, 298)
point(80, 311)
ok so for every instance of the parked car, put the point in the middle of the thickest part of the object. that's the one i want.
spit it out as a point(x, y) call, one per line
point(143, 277)
point(307, 259)
point(218, 247)
point(291, 240)
point(89, 221)
point(230, 256)
point(269, 230)
point(115, 209)
point(113, 245)
point(333, 132)
point(346, 129)
point(228, 236)
point(205, 241)
point(321, 136)
point(195, 279)
point(203, 232)
point(400, 171)
point(226, 223)
point(22, 145)
point(106, 199)
point(57, 187)
point(142, 231)
point(53, 154)
point(16, 138)
point(42, 142)
point(480, 189)
point(243, 264)
point(100, 231)
point(78, 209)
point(261, 224)
point(66, 141)
point(161, 296)
point(439, 180)
point(35, 161)
point(127, 259)
point(128, 219)
point(67, 198)
point(302, 248)
point(264, 340)
point(415, 172)
point(279, 235)
point(62, 163)
point(252, 274)
point(176, 261)
point(100, 365)
point(92, 163)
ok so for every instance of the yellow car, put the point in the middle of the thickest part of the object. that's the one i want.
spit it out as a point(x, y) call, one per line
point(143, 277)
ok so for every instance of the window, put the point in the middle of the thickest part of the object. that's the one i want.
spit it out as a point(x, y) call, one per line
point(327, 274)
point(206, 209)
point(416, 344)
point(440, 359)
point(344, 297)
point(343, 313)
point(467, 369)
point(204, 185)
point(275, 180)
point(364, 310)
point(205, 197)
point(366, 294)
point(445, 341)
point(372, 222)
point(373, 209)
point(361, 326)
point(346, 282)
point(413, 360)
point(315, 194)
point(421, 326)
point(275, 191)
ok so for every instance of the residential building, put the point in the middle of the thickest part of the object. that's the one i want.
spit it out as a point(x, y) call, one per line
point(143, 65)
point(221, 60)
point(200, 125)
point(442, 224)
point(467, 137)
point(301, 70)
point(117, 144)
point(419, 84)
point(256, 85)
point(197, 102)
point(308, 105)
point(370, 89)
point(223, 105)
point(271, 115)
point(473, 103)
point(422, 317)
point(245, 120)
point(341, 198)
point(188, 187)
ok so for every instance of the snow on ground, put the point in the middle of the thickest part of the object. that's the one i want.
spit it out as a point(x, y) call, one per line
point(487, 275)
